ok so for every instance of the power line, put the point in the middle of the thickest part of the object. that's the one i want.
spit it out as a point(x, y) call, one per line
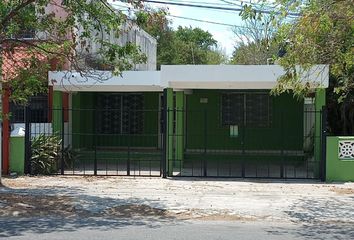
point(230, 3)
point(206, 21)
point(200, 2)
point(215, 7)
point(192, 19)
point(242, 3)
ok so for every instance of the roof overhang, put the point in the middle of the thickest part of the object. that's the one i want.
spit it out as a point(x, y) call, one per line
point(236, 76)
point(185, 77)
point(104, 81)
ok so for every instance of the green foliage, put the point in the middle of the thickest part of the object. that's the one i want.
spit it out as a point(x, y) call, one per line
point(70, 156)
point(255, 42)
point(64, 38)
point(45, 154)
point(195, 46)
point(202, 39)
point(254, 53)
point(322, 34)
point(186, 45)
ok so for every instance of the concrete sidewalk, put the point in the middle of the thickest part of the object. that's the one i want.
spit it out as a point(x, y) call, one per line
point(57, 207)
point(211, 199)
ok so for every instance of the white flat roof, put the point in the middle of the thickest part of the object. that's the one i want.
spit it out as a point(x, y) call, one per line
point(185, 77)
point(234, 76)
point(104, 81)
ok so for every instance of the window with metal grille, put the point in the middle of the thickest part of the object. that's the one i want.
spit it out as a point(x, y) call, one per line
point(38, 113)
point(120, 113)
point(249, 109)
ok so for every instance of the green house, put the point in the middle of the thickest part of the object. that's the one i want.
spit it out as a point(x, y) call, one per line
point(190, 120)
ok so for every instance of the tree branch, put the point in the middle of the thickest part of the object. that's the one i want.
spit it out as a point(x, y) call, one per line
point(15, 11)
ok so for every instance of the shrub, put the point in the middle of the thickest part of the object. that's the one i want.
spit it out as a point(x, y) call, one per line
point(45, 153)
point(70, 156)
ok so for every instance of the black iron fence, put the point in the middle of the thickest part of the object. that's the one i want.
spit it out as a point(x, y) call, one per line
point(190, 143)
point(96, 141)
point(289, 146)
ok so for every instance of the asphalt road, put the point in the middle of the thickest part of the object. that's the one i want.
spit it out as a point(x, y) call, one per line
point(52, 229)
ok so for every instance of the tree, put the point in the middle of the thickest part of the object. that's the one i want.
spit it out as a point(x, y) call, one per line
point(154, 22)
point(61, 32)
point(194, 46)
point(254, 53)
point(255, 42)
point(186, 45)
point(323, 33)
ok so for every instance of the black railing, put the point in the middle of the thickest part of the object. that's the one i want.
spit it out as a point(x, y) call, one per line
point(288, 148)
point(84, 148)
point(142, 143)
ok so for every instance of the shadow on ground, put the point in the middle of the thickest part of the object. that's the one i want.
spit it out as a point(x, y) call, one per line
point(321, 218)
point(52, 210)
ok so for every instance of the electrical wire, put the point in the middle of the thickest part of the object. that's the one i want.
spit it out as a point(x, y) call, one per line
point(189, 18)
point(216, 7)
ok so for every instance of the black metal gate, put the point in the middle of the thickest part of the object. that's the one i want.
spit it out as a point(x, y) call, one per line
point(279, 150)
point(130, 142)
point(102, 141)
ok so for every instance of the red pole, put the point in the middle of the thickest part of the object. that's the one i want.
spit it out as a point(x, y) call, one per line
point(5, 130)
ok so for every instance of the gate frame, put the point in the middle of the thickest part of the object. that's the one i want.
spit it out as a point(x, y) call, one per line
point(61, 133)
point(321, 168)
point(323, 144)
point(165, 160)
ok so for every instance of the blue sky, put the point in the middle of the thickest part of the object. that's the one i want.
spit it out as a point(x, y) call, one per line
point(223, 34)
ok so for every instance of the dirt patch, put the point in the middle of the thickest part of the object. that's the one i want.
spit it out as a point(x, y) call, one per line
point(135, 210)
point(14, 183)
point(138, 211)
point(27, 205)
point(343, 191)
point(21, 205)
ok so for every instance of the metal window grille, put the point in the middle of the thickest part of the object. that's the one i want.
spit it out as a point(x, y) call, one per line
point(39, 110)
point(120, 113)
point(249, 109)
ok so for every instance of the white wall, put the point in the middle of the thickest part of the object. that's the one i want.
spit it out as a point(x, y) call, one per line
point(234, 76)
point(129, 81)
point(133, 34)
point(46, 129)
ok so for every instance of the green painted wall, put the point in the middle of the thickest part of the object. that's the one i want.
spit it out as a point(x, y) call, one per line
point(83, 105)
point(204, 119)
point(179, 143)
point(84, 132)
point(337, 169)
point(17, 154)
point(57, 111)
